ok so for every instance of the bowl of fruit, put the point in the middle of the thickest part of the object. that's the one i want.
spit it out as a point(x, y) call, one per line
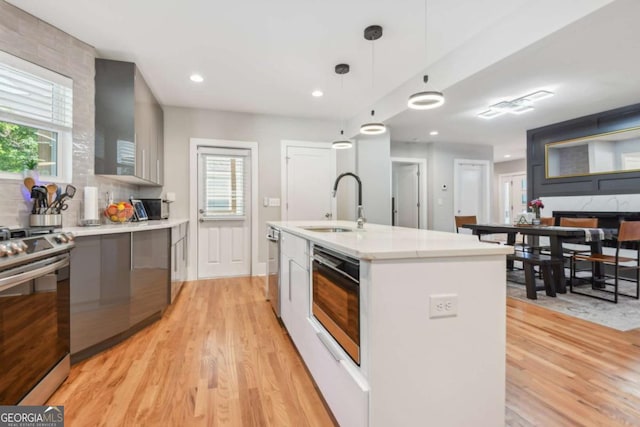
point(119, 212)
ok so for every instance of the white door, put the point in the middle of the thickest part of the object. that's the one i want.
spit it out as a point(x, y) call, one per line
point(406, 195)
point(471, 189)
point(224, 212)
point(513, 196)
point(310, 172)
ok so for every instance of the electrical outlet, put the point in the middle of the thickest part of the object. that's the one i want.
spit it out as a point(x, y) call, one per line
point(443, 305)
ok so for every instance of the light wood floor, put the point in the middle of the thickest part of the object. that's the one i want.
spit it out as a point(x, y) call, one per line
point(219, 357)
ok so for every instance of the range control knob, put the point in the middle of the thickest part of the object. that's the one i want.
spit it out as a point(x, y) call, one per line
point(23, 245)
point(4, 251)
point(70, 236)
point(61, 238)
point(15, 247)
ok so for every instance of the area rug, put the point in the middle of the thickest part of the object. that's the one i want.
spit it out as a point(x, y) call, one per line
point(623, 316)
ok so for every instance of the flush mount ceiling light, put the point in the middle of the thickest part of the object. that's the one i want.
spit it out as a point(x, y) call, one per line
point(425, 100)
point(433, 133)
point(317, 93)
point(196, 78)
point(341, 144)
point(373, 33)
point(515, 106)
point(373, 128)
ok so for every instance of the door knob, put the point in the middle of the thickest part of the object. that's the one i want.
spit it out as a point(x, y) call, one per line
point(328, 215)
point(201, 210)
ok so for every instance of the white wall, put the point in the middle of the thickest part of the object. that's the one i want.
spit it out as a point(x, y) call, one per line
point(440, 157)
point(503, 168)
point(181, 124)
point(374, 169)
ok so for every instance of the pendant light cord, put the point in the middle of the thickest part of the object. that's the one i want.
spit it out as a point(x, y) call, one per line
point(372, 65)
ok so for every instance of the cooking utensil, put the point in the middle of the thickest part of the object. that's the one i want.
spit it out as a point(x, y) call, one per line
point(29, 183)
point(39, 194)
point(69, 192)
point(51, 190)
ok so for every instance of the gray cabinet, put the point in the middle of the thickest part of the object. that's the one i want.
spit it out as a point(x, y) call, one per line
point(149, 274)
point(179, 259)
point(118, 281)
point(129, 125)
point(100, 294)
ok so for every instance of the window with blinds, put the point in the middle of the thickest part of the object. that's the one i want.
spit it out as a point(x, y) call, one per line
point(224, 179)
point(36, 119)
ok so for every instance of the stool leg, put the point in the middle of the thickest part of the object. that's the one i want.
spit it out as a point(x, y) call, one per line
point(530, 280)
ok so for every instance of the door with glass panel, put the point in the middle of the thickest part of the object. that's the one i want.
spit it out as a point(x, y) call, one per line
point(224, 212)
point(513, 196)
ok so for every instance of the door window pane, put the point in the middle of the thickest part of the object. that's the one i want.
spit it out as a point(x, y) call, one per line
point(224, 186)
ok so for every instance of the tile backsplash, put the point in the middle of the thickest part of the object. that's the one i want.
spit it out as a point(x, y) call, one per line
point(34, 40)
point(608, 203)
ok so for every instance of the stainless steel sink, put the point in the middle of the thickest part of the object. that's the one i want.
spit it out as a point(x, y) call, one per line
point(321, 229)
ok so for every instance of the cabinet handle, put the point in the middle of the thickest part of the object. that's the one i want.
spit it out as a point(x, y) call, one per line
point(158, 180)
point(175, 258)
point(290, 261)
point(144, 174)
point(324, 340)
point(131, 252)
point(135, 161)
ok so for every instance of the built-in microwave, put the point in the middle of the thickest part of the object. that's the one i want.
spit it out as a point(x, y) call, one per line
point(336, 297)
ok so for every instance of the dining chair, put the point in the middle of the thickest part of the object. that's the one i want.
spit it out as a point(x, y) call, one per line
point(571, 249)
point(461, 220)
point(628, 239)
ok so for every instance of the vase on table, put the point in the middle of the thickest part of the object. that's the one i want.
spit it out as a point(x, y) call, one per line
point(536, 213)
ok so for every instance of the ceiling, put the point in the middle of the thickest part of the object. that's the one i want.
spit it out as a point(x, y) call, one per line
point(268, 56)
point(592, 65)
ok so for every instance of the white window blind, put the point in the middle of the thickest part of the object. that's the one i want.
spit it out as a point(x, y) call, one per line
point(28, 91)
point(223, 185)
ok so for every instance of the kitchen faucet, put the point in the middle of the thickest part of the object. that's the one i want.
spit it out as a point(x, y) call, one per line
point(361, 219)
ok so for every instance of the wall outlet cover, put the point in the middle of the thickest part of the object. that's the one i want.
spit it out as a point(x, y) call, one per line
point(443, 305)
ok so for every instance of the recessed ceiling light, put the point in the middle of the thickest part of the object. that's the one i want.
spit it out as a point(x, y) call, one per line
point(506, 156)
point(197, 78)
point(433, 133)
point(317, 93)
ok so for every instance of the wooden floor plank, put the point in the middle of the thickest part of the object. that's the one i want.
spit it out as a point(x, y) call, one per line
point(219, 357)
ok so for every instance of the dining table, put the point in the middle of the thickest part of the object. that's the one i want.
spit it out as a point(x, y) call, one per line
point(557, 235)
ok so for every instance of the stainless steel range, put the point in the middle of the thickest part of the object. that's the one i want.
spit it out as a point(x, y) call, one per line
point(34, 315)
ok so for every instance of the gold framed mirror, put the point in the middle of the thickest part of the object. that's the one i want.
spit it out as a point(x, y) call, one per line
point(610, 152)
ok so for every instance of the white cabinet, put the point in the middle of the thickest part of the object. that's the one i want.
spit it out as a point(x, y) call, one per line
point(339, 379)
point(295, 286)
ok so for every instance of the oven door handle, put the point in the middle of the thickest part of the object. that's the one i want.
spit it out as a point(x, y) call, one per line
point(20, 278)
point(323, 261)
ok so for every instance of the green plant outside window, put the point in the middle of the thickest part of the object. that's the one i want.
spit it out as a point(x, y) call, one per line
point(24, 147)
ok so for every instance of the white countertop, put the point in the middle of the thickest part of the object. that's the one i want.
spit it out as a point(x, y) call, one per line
point(378, 242)
point(127, 227)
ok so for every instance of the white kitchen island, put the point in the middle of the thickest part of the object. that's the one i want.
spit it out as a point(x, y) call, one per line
point(415, 369)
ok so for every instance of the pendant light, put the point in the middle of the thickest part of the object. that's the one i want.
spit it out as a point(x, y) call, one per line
point(373, 128)
point(425, 100)
point(341, 143)
point(372, 33)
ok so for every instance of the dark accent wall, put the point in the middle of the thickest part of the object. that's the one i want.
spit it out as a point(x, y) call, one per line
point(611, 183)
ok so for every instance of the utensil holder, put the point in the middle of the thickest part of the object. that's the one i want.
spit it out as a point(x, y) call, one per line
point(45, 220)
